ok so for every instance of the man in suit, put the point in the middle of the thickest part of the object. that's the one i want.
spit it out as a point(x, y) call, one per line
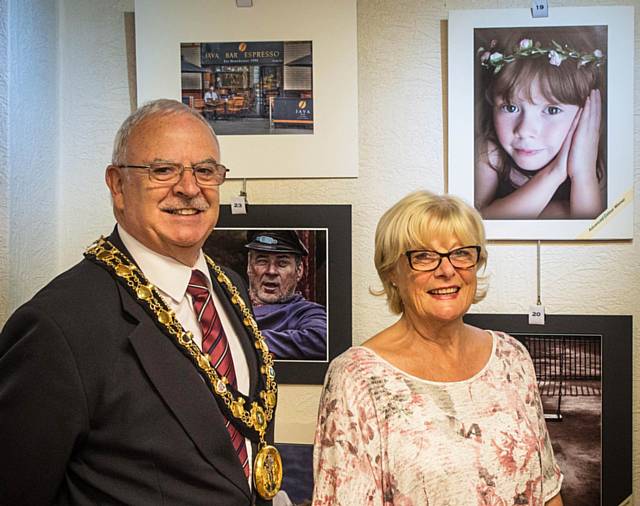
point(109, 393)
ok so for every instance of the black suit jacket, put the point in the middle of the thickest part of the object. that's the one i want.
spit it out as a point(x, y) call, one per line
point(98, 406)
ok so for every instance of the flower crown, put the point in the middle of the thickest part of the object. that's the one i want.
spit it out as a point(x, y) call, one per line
point(494, 59)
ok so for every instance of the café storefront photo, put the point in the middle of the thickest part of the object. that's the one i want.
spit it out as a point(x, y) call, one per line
point(250, 87)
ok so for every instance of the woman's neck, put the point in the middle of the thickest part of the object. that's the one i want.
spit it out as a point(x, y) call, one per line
point(430, 334)
point(433, 350)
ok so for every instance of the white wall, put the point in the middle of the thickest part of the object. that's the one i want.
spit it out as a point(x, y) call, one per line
point(4, 157)
point(95, 101)
point(401, 125)
point(33, 146)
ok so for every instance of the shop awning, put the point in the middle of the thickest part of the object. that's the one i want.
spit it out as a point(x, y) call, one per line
point(303, 61)
point(186, 66)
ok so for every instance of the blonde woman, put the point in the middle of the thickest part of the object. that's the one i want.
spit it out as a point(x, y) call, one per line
point(431, 411)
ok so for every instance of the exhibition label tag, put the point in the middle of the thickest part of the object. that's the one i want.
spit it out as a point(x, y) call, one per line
point(539, 8)
point(239, 205)
point(536, 315)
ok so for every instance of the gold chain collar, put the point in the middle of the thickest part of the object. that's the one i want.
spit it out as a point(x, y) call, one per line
point(256, 416)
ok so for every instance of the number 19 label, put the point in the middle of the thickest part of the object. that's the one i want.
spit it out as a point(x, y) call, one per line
point(539, 8)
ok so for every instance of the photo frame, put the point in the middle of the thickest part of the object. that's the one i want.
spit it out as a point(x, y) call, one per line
point(577, 438)
point(612, 218)
point(325, 230)
point(331, 151)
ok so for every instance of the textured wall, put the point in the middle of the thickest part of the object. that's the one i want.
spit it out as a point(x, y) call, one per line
point(401, 143)
point(94, 103)
point(4, 159)
point(33, 145)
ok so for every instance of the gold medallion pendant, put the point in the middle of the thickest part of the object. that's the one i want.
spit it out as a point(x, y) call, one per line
point(267, 472)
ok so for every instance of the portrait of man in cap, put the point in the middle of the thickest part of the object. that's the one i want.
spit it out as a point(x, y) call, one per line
point(294, 327)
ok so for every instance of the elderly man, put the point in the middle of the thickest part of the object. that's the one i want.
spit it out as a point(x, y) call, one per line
point(293, 327)
point(137, 376)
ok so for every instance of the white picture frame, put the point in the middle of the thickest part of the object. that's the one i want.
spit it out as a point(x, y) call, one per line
point(616, 221)
point(332, 150)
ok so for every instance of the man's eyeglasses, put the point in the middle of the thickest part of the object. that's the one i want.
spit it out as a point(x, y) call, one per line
point(206, 173)
point(426, 260)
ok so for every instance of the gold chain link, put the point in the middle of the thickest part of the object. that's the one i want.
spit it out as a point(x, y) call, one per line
point(257, 416)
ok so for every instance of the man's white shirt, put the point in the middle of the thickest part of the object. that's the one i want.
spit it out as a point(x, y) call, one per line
point(210, 95)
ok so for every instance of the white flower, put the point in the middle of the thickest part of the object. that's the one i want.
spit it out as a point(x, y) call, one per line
point(556, 58)
point(526, 44)
point(597, 53)
point(496, 57)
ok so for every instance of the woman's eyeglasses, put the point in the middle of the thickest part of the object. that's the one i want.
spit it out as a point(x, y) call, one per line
point(426, 260)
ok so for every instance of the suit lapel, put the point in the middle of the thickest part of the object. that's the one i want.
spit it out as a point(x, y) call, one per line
point(183, 389)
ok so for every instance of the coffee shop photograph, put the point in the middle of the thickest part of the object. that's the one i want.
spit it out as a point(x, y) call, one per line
point(250, 88)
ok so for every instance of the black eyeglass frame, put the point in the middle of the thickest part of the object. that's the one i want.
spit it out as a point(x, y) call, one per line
point(181, 170)
point(446, 255)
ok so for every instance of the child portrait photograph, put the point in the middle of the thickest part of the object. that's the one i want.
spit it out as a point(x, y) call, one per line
point(540, 121)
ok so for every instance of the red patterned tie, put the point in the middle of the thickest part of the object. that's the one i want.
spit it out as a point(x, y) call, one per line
point(215, 344)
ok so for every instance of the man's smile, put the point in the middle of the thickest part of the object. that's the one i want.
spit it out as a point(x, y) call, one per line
point(182, 212)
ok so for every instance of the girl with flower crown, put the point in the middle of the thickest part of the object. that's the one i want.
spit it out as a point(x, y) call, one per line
point(540, 134)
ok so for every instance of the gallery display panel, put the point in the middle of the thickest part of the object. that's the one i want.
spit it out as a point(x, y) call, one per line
point(583, 365)
point(163, 27)
point(474, 50)
point(328, 229)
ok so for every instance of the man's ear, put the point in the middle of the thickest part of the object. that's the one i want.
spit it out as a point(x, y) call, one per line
point(114, 177)
point(249, 265)
point(299, 270)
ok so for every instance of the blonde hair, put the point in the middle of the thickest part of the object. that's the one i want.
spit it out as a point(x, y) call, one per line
point(412, 223)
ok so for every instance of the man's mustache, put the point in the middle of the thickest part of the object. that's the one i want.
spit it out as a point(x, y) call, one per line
point(198, 203)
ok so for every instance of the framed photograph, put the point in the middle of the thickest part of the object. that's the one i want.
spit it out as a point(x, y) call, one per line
point(296, 261)
point(584, 371)
point(549, 152)
point(250, 88)
point(284, 73)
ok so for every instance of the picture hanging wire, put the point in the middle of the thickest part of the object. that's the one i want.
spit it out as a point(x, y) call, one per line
point(538, 274)
point(239, 203)
point(243, 192)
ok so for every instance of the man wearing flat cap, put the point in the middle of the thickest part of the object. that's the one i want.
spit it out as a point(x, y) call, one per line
point(294, 328)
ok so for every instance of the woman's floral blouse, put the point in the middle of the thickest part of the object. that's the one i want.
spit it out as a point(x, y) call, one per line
point(385, 437)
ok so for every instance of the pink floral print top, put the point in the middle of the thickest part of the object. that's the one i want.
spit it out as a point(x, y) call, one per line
point(385, 437)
